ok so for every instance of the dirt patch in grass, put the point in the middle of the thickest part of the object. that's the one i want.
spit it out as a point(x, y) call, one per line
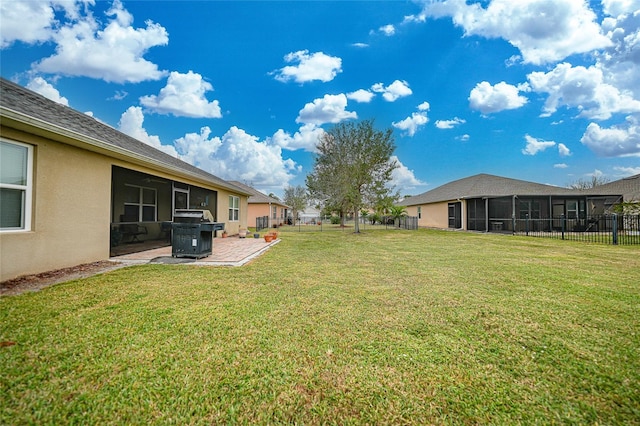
point(37, 282)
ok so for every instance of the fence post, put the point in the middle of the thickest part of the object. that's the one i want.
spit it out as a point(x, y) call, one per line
point(615, 229)
point(526, 224)
point(563, 219)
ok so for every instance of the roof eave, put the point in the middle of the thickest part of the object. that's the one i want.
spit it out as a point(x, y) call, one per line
point(29, 124)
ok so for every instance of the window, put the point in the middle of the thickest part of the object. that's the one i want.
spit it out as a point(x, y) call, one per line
point(419, 212)
point(572, 209)
point(274, 212)
point(16, 167)
point(140, 204)
point(234, 208)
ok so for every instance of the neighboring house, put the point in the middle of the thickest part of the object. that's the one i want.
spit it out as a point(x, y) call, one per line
point(489, 203)
point(73, 190)
point(309, 215)
point(261, 205)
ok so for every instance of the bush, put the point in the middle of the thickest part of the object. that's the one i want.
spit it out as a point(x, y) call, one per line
point(335, 220)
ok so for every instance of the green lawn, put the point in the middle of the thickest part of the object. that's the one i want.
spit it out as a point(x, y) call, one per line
point(386, 327)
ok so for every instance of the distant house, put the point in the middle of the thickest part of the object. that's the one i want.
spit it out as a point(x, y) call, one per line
point(309, 215)
point(74, 190)
point(489, 203)
point(261, 205)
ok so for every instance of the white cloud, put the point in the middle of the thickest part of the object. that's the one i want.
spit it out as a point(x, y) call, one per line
point(329, 109)
point(560, 166)
point(306, 138)
point(616, 141)
point(183, 96)
point(581, 88)
point(394, 91)
point(620, 7)
point(403, 177)
point(489, 99)
point(26, 21)
point(387, 30)
point(463, 138)
point(310, 67)
point(39, 85)
point(114, 54)
point(237, 155)
point(536, 145)
point(544, 31)
point(449, 124)
point(362, 96)
point(413, 123)
point(627, 171)
point(360, 45)
point(131, 124)
point(563, 151)
point(620, 63)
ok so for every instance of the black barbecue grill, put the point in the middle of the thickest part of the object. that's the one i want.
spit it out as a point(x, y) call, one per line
point(192, 233)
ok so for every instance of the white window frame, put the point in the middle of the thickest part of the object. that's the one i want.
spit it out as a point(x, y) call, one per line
point(141, 204)
point(27, 200)
point(419, 212)
point(234, 208)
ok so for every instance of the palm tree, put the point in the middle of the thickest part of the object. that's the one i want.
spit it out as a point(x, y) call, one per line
point(397, 212)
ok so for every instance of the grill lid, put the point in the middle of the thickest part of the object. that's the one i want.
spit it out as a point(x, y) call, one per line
point(191, 216)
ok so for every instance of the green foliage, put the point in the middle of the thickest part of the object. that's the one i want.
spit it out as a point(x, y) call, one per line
point(352, 167)
point(295, 197)
point(375, 218)
point(629, 207)
point(396, 212)
point(335, 220)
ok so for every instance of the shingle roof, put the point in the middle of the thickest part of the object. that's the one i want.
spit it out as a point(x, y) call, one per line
point(256, 196)
point(629, 187)
point(29, 105)
point(484, 185)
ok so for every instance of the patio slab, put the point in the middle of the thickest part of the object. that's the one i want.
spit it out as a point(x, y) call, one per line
point(231, 251)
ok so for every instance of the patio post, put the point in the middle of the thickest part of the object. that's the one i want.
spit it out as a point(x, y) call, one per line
point(563, 219)
point(615, 229)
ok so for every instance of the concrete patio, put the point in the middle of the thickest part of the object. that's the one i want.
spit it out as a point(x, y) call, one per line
point(232, 251)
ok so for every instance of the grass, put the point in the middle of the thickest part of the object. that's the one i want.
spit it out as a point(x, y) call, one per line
point(386, 327)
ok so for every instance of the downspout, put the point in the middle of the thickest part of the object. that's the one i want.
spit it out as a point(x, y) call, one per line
point(486, 214)
point(513, 214)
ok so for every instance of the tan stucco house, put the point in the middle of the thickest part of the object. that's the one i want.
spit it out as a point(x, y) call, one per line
point(261, 205)
point(74, 190)
point(489, 203)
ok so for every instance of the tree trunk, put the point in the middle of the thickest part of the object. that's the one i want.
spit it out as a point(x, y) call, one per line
point(357, 221)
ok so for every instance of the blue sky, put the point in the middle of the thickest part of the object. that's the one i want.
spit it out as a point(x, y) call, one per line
point(539, 90)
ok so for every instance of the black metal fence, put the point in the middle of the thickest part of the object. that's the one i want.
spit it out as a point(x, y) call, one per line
point(605, 229)
point(262, 222)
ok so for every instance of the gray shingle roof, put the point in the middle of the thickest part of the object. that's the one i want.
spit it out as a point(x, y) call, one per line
point(30, 105)
point(629, 187)
point(484, 185)
point(258, 197)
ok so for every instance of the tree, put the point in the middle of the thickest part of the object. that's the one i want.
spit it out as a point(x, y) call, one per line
point(596, 180)
point(352, 167)
point(296, 198)
point(397, 212)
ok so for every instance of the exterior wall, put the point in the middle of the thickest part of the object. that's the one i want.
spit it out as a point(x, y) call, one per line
point(257, 210)
point(433, 215)
point(71, 210)
point(232, 227)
